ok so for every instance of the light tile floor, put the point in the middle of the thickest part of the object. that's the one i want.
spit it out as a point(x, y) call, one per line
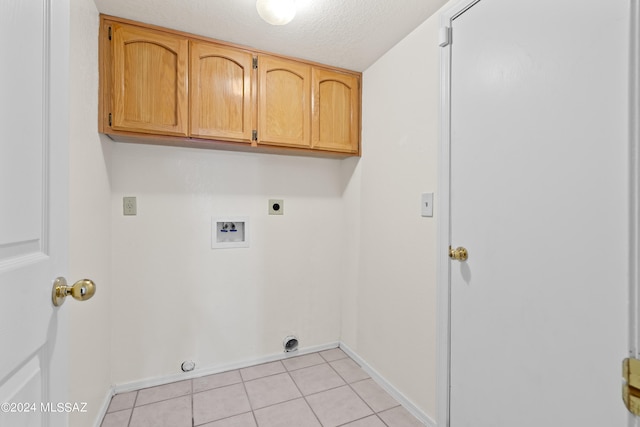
point(325, 389)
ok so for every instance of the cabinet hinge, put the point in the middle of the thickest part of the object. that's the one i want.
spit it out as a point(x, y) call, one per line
point(109, 119)
point(255, 62)
point(444, 36)
point(109, 33)
point(254, 135)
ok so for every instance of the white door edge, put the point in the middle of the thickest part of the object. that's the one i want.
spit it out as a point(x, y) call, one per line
point(634, 186)
point(443, 271)
point(443, 336)
point(634, 158)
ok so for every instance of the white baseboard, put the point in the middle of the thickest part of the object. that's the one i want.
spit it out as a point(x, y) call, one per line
point(166, 379)
point(389, 388)
point(210, 370)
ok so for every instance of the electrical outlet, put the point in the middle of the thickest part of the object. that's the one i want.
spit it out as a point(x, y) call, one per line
point(129, 206)
point(276, 207)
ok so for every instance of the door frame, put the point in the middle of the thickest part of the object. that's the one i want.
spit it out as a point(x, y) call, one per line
point(443, 336)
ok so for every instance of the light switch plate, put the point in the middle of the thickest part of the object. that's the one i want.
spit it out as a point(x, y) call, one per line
point(427, 204)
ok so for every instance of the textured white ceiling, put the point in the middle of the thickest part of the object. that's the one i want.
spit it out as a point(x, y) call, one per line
point(351, 34)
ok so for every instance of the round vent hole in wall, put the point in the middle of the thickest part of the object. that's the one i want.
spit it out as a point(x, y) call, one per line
point(188, 366)
point(290, 344)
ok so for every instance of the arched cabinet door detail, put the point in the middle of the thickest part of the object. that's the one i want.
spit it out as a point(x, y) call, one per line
point(284, 94)
point(149, 81)
point(221, 92)
point(336, 100)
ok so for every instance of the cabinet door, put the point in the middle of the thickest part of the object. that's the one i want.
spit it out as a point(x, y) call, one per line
point(336, 112)
point(284, 112)
point(221, 106)
point(149, 87)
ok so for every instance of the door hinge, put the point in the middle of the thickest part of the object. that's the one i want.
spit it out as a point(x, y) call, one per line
point(255, 63)
point(254, 135)
point(631, 386)
point(109, 33)
point(109, 119)
point(444, 37)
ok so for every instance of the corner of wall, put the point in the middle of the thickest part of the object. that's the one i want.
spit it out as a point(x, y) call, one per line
point(391, 308)
point(351, 204)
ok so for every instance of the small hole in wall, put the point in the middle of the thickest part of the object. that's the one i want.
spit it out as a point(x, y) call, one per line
point(290, 344)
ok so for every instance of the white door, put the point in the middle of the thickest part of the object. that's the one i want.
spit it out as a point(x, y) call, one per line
point(34, 39)
point(539, 196)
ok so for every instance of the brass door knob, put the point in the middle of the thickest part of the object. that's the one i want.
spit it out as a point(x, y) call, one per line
point(81, 290)
point(459, 253)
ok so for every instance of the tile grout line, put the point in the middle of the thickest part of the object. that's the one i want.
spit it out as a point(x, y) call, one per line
point(132, 409)
point(164, 400)
point(305, 398)
point(326, 362)
point(365, 417)
point(308, 366)
point(258, 378)
point(357, 394)
point(228, 418)
point(252, 410)
point(244, 387)
point(288, 372)
point(301, 395)
point(193, 421)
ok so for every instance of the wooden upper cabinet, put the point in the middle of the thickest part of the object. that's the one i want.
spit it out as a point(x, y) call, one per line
point(161, 86)
point(149, 81)
point(284, 108)
point(336, 113)
point(221, 92)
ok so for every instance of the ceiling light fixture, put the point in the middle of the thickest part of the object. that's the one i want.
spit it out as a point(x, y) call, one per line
point(276, 12)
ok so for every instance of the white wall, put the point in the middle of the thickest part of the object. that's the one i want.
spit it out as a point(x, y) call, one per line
point(389, 307)
point(350, 260)
point(174, 298)
point(90, 243)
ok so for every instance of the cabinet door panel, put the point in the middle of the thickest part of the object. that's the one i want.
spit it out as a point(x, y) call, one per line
point(336, 116)
point(285, 97)
point(149, 81)
point(221, 92)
